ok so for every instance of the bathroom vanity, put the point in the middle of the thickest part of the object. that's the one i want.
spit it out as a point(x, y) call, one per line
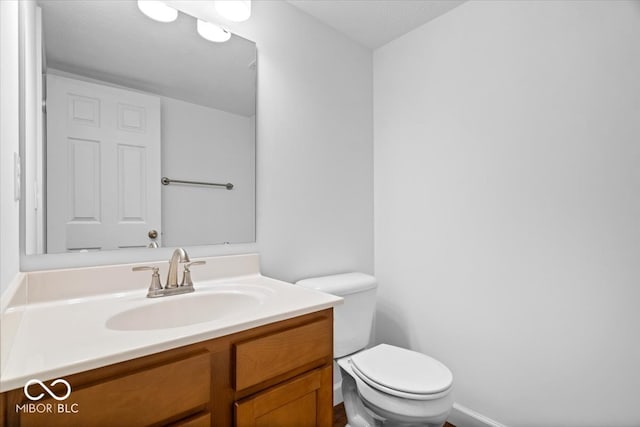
point(267, 365)
point(278, 374)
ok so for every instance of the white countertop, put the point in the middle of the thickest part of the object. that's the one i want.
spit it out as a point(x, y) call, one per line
point(62, 337)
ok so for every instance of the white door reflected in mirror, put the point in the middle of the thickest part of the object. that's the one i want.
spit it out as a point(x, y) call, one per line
point(103, 148)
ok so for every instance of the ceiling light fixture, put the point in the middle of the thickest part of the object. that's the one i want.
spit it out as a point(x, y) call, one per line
point(234, 10)
point(212, 32)
point(157, 10)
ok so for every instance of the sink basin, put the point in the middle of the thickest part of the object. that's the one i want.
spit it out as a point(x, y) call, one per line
point(184, 310)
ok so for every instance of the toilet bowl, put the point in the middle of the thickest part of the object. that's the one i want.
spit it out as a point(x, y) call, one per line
point(383, 385)
point(398, 386)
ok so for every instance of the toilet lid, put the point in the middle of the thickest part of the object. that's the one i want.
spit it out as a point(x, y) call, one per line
point(402, 370)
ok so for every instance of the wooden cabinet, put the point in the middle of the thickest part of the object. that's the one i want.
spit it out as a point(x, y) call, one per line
point(260, 359)
point(297, 402)
point(200, 420)
point(275, 375)
point(154, 388)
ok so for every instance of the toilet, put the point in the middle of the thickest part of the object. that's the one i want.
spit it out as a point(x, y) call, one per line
point(383, 385)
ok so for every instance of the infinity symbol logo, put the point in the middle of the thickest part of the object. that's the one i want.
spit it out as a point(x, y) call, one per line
point(47, 389)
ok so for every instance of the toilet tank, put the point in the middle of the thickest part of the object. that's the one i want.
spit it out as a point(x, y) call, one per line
point(352, 320)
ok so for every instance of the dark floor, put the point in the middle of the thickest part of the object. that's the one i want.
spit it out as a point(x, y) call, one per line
point(340, 417)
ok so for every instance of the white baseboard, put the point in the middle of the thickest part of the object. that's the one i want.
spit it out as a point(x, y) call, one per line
point(461, 416)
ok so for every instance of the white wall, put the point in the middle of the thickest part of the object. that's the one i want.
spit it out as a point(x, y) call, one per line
point(315, 151)
point(9, 223)
point(204, 144)
point(507, 216)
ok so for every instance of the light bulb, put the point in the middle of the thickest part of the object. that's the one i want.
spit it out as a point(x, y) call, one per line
point(234, 10)
point(157, 10)
point(213, 32)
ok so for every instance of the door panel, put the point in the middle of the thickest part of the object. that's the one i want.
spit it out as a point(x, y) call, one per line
point(83, 181)
point(131, 184)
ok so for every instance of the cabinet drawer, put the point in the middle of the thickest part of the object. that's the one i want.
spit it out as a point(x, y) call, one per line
point(260, 359)
point(146, 397)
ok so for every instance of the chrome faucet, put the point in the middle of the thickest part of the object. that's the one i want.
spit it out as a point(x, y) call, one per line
point(172, 287)
point(179, 256)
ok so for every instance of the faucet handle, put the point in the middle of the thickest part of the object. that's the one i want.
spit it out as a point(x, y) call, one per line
point(186, 277)
point(156, 286)
point(145, 268)
point(195, 263)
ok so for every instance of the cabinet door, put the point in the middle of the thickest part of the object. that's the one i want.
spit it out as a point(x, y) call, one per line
point(305, 401)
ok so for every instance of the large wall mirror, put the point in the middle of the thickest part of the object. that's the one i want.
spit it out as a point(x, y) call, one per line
point(119, 109)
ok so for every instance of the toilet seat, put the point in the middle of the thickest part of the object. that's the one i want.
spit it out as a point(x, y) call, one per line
point(402, 373)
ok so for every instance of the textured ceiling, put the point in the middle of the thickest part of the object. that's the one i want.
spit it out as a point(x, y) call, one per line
point(374, 23)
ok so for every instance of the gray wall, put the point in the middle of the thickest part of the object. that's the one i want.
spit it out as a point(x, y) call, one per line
point(507, 153)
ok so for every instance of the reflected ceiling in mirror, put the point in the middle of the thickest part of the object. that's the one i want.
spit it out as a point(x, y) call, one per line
point(114, 42)
point(129, 101)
